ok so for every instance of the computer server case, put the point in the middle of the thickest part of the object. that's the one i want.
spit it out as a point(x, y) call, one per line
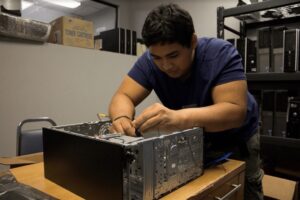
point(277, 48)
point(113, 40)
point(293, 120)
point(89, 161)
point(119, 40)
point(291, 50)
point(247, 49)
point(263, 51)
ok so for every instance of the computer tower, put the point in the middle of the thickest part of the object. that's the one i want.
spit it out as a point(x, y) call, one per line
point(128, 41)
point(240, 46)
point(280, 113)
point(277, 48)
point(113, 40)
point(250, 62)
point(263, 50)
point(291, 50)
point(133, 42)
point(246, 48)
point(293, 119)
point(95, 164)
point(267, 114)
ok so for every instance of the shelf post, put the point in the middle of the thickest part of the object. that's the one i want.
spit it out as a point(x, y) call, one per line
point(243, 29)
point(220, 22)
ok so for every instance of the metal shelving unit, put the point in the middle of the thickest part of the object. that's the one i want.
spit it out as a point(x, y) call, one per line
point(289, 142)
point(280, 151)
point(272, 76)
point(223, 13)
point(273, 81)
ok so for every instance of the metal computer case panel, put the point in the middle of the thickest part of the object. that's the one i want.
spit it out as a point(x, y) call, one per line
point(263, 52)
point(291, 50)
point(277, 48)
point(116, 166)
point(79, 164)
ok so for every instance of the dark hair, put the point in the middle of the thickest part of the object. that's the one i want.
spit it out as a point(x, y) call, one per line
point(168, 24)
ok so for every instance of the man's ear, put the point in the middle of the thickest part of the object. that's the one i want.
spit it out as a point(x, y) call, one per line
point(194, 41)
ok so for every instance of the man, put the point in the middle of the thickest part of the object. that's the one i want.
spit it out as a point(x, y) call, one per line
point(200, 82)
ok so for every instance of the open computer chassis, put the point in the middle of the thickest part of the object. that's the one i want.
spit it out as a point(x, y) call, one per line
point(93, 163)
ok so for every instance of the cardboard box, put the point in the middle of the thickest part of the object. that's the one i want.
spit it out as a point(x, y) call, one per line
point(72, 31)
point(279, 188)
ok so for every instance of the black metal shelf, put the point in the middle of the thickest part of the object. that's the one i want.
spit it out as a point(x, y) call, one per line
point(272, 22)
point(272, 76)
point(280, 141)
point(222, 13)
point(257, 7)
point(277, 152)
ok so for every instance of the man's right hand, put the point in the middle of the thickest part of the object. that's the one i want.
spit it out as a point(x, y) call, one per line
point(123, 125)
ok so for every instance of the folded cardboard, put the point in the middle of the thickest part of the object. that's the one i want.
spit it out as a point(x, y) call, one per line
point(72, 31)
point(22, 160)
point(279, 188)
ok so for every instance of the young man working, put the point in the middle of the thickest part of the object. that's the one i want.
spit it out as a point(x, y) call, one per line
point(200, 82)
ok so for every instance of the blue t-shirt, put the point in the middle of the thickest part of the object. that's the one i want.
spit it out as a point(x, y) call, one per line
point(216, 62)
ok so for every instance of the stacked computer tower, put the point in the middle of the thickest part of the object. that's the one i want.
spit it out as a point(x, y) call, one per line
point(119, 40)
point(291, 50)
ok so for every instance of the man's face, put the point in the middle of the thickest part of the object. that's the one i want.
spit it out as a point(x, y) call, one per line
point(172, 58)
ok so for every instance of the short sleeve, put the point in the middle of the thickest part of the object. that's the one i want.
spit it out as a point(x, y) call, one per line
point(141, 71)
point(230, 65)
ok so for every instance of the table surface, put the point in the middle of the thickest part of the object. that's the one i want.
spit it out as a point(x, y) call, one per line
point(33, 175)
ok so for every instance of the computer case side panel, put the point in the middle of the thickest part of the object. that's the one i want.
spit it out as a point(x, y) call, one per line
point(71, 160)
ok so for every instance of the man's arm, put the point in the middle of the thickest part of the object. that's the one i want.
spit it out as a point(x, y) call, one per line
point(228, 111)
point(122, 105)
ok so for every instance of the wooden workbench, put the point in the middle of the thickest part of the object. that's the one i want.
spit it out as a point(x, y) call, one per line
point(218, 181)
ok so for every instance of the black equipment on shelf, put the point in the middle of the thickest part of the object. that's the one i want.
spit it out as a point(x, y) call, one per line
point(293, 120)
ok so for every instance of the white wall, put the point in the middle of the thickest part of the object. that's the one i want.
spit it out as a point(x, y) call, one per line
point(104, 20)
point(203, 12)
point(49, 15)
point(132, 14)
point(68, 84)
point(72, 84)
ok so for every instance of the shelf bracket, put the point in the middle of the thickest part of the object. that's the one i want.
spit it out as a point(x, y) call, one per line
point(233, 31)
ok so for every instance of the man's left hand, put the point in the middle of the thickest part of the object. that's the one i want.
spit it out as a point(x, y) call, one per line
point(158, 117)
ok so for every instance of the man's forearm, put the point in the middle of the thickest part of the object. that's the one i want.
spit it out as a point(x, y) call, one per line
point(121, 105)
point(217, 117)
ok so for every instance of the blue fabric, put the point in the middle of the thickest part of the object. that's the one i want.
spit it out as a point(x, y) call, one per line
point(216, 62)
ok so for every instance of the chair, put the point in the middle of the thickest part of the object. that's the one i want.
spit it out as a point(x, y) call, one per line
point(31, 141)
